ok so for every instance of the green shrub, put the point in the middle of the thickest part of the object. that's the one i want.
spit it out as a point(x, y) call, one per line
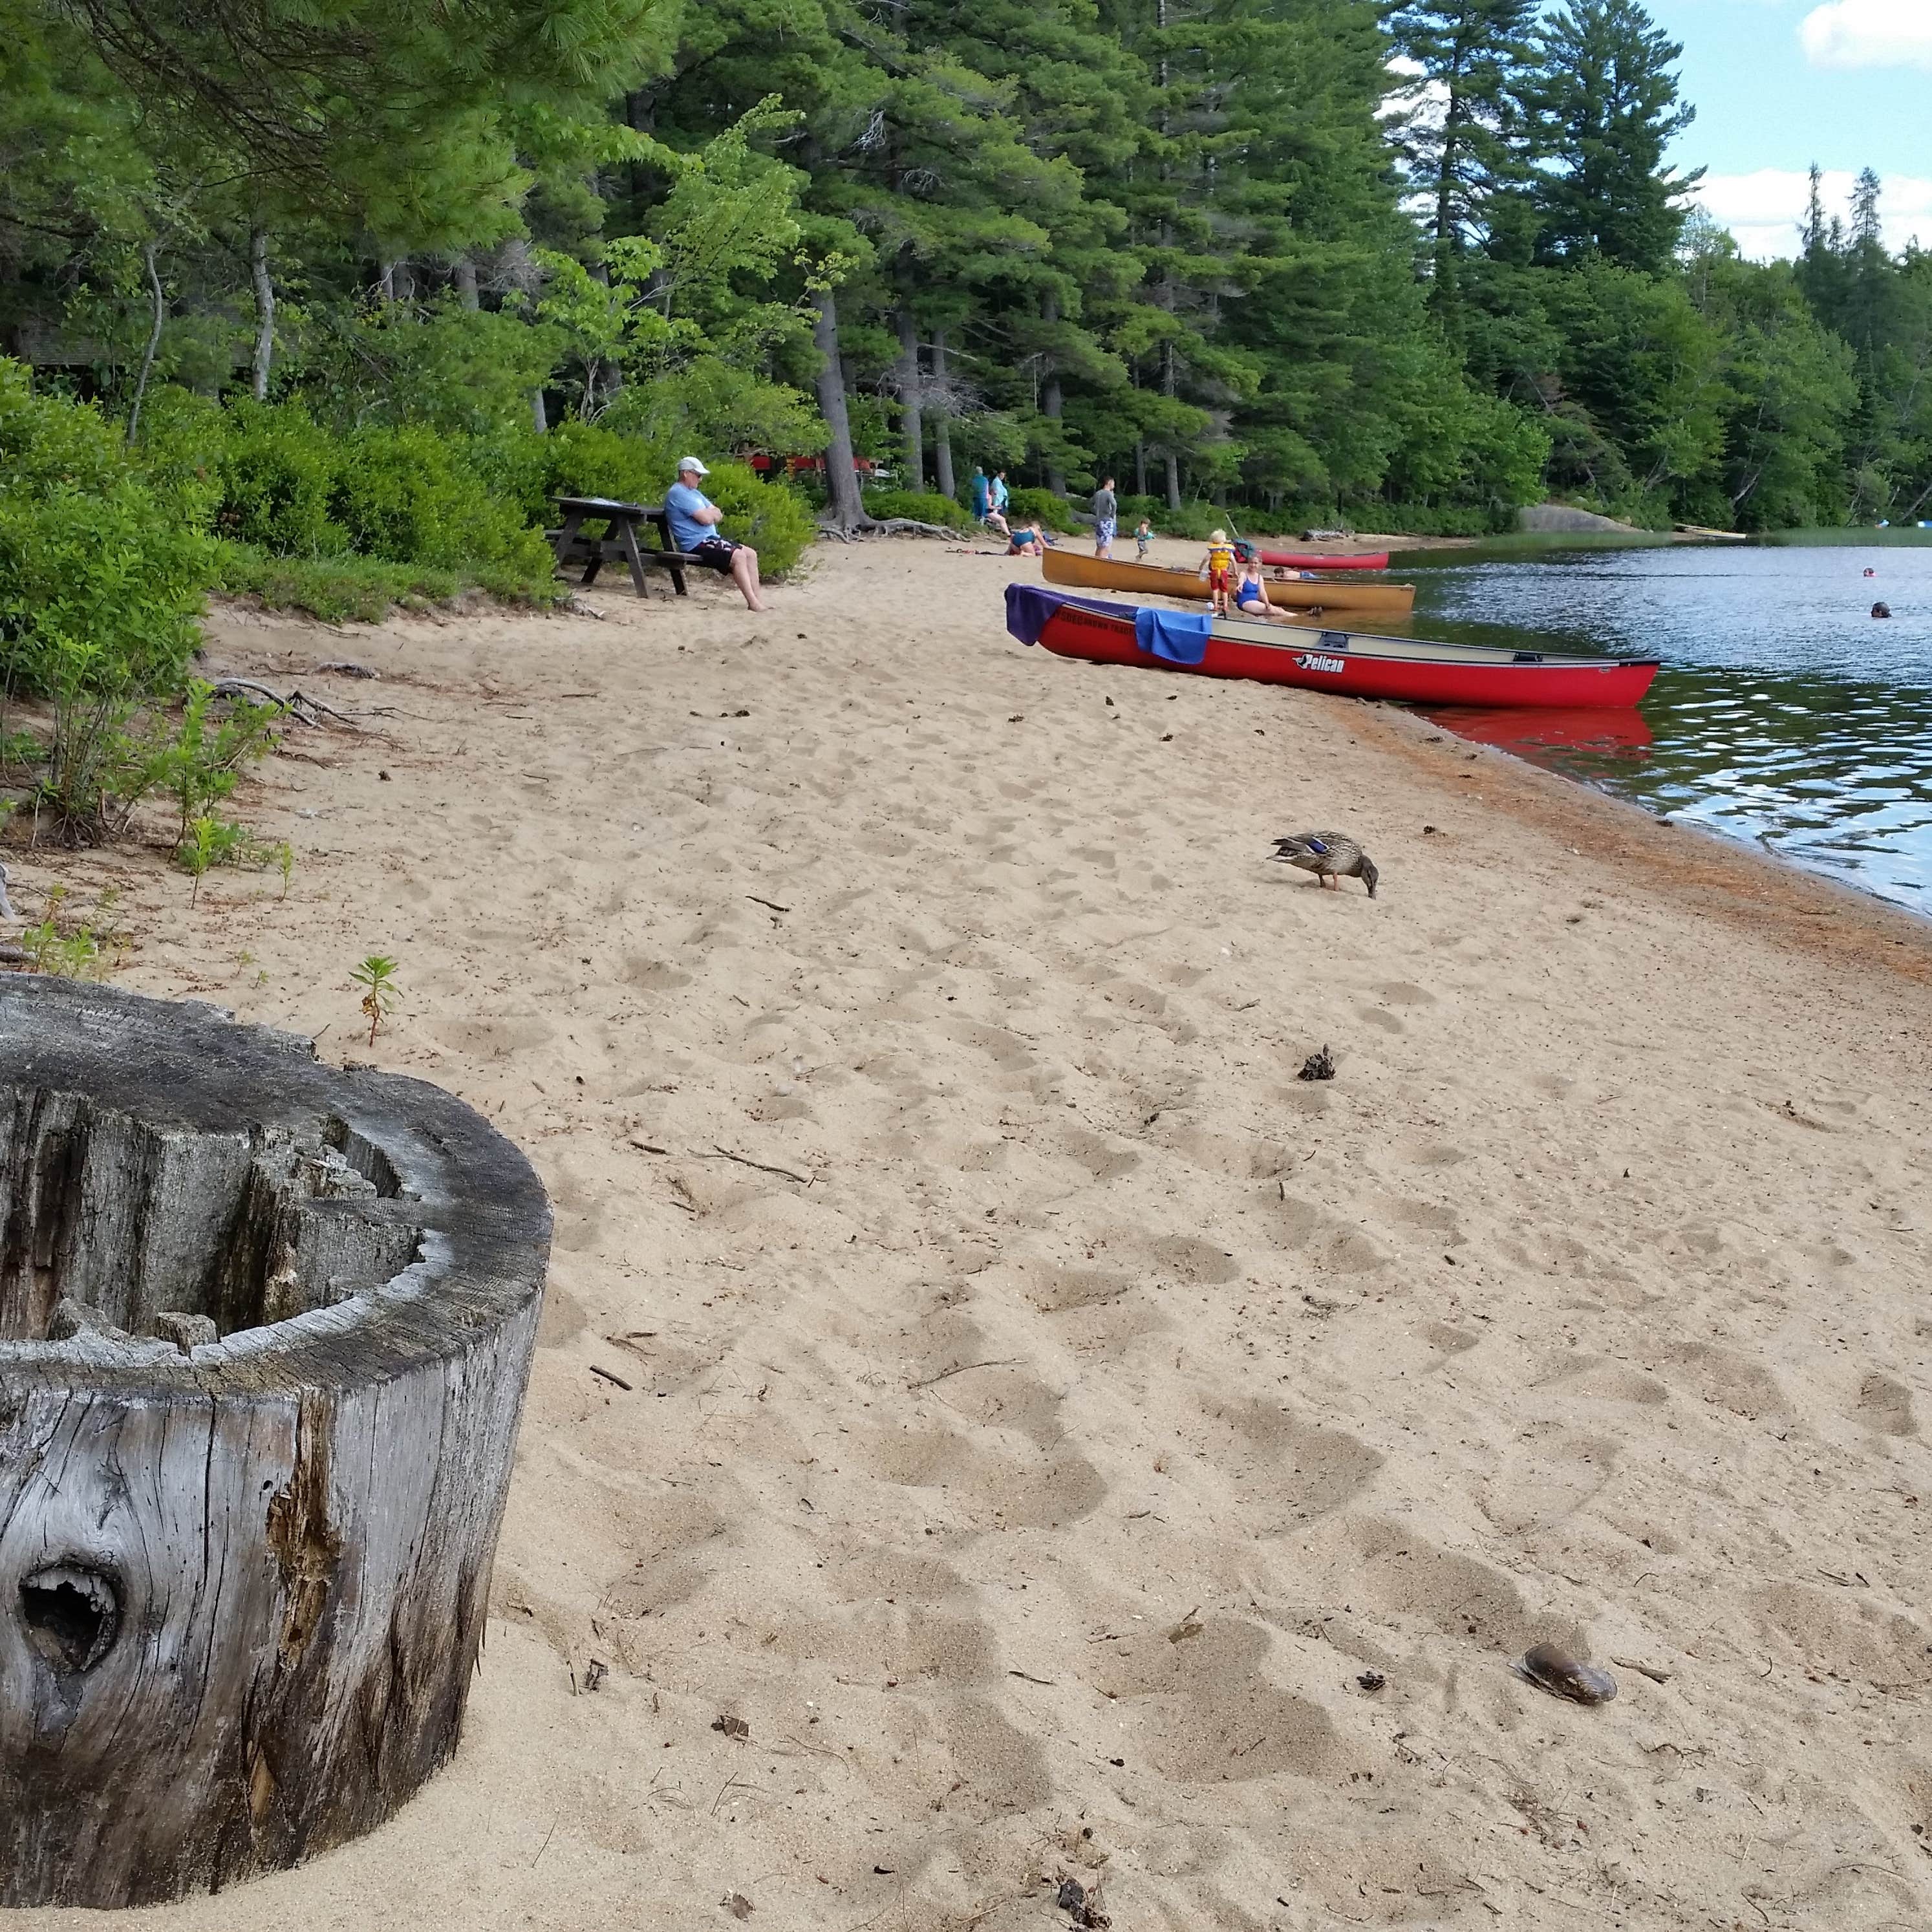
point(924, 506)
point(772, 517)
point(408, 496)
point(278, 473)
point(102, 577)
point(1051, 512)
point(588, 459)
point(179, 451)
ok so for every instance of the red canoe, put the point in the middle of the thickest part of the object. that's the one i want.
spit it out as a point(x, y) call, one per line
point(1289, 560)
point(1353, 663)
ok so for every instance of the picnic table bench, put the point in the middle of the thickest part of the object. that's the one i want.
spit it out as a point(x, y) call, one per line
point(619, 544)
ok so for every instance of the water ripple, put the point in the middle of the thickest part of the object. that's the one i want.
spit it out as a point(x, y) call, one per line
point(1785, 714)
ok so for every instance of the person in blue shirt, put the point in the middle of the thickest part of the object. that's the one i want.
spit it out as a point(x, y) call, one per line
point(694, 520)
point(988, 502)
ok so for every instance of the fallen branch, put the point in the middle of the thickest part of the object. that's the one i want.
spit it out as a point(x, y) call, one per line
point(298, 704)
point(744, 1160)
point(772, 903)
point(960, 1369)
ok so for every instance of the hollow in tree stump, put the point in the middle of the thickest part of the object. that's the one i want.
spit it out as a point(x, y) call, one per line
point(265, 1328)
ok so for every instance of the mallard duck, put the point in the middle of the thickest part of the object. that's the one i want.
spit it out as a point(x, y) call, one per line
point(1330, 856)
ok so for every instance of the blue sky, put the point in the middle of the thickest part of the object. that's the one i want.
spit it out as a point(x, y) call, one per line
point(1778, 84)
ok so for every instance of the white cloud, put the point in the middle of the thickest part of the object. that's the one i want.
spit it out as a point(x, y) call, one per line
point(1868, 33)
point(1764, 210)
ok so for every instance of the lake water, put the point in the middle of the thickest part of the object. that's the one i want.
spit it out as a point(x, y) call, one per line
point(1784, 713)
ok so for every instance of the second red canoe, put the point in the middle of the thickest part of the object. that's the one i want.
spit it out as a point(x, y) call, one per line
point(1289, 560)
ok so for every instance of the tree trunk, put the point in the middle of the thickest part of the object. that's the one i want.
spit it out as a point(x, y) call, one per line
point(154, 337)
point(539, 416)
point(464, 274)
point(1051, 402)
point(841, 479)
point(267, 1326)
point(911, 411)
point(942, 423)
point(385, 281)
point(1169, 383)
point(265, 311)
point(1140, 465)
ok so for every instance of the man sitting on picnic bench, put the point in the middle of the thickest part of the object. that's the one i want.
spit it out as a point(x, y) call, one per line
point(694, 520)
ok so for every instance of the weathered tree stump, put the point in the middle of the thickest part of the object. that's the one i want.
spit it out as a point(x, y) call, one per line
point(265, 1328)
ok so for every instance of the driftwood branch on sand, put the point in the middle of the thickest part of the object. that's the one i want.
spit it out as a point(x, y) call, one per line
point(297, 705)
point(265, 1327)
point(884, 527)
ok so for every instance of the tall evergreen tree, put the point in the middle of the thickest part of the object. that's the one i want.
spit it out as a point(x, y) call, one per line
point(1605, 97)
point(1462, 138)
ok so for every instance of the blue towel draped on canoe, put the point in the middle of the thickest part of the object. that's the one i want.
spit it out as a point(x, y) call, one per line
point(1180, 637)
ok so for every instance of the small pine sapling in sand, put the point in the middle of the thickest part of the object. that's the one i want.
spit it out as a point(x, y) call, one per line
point(285, 863)
point(377, 976)
point(88, 951)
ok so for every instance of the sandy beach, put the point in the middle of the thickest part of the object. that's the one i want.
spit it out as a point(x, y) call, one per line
point(1068, 1443)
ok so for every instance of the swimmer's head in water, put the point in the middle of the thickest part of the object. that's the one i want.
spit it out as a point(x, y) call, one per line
point(1881, 610)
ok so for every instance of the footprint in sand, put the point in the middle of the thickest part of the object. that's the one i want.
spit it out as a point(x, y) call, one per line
point(1884, 1404)
point(1204, 1710)
point(1400, 993)
point(1284, 1471)
point(1546, 1479)
point(1388, 1567)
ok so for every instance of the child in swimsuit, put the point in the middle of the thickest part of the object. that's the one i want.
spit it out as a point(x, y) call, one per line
point(1144, 540)
point(1219, 564)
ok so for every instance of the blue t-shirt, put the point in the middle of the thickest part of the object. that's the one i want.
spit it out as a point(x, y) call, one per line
point(982, 497)
point(681, 503)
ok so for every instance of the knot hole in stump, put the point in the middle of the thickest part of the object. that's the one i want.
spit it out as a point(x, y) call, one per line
point(72, 1614)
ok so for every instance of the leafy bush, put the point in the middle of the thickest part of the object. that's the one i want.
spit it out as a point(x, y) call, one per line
point(924, 506)
point(200, 761)
point(278, 474)
point(772, 517)
point(1051, 512)
point(101, 578)
point(407, 496)
point(588, 459)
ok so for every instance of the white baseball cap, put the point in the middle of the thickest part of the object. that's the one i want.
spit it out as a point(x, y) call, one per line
point(685, 462)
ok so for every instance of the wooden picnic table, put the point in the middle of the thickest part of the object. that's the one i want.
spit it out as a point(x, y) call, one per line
point(619, 544)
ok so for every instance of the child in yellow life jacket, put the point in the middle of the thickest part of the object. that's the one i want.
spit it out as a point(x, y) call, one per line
point(1218, 567)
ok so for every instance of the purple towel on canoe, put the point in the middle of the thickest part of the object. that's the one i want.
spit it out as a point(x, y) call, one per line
point(1181, 637)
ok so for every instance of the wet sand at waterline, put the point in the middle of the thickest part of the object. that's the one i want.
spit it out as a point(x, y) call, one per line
point(1044, 1411)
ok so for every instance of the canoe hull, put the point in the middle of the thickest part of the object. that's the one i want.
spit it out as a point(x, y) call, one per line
point(1289, 560)
point(1076, 571)
point(1104, 634)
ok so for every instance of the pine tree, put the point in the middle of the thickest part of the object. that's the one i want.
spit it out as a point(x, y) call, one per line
point(1463, 139)
point(1606, 107)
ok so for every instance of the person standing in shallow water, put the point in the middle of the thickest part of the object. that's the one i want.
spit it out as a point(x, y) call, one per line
point(694, 520)
point(1106, 513)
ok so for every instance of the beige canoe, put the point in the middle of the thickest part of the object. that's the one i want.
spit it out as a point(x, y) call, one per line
point(1086, 572)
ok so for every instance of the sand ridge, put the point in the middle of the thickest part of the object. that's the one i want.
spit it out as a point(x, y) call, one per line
point(1044, 1413)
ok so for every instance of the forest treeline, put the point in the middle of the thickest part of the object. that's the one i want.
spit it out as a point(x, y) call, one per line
point(1325, 260)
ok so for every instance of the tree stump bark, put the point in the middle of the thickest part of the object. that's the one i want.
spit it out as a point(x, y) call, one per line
point(265, 1328)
